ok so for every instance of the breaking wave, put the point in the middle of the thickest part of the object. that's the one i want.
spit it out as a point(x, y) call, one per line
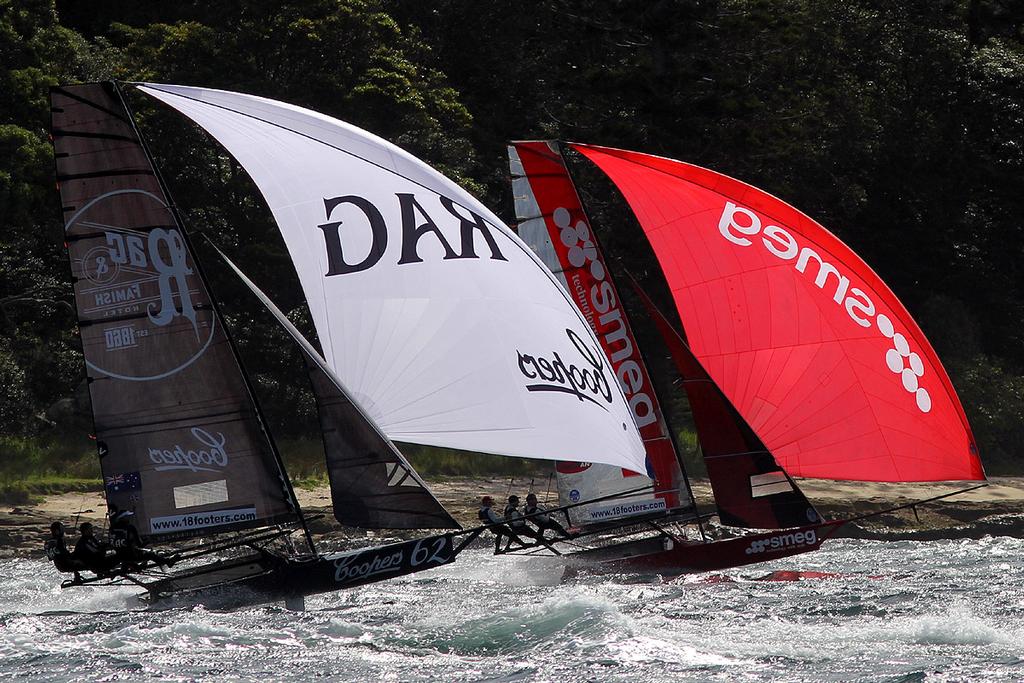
point(864, 610)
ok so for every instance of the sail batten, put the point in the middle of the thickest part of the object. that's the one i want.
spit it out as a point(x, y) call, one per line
point(178, 433)
point(441, 324)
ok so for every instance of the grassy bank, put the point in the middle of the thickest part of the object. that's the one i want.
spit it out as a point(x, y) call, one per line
point(34, 467)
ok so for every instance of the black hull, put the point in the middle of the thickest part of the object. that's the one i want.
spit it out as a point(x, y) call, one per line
point(267, 577)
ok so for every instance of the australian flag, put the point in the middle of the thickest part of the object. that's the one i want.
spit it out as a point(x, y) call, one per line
point(118, 483)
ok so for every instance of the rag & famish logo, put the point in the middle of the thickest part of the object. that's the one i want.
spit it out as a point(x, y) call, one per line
point(739, 224)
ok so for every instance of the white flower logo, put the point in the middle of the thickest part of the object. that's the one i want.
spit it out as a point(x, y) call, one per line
point(577, 239)
point(905, 363)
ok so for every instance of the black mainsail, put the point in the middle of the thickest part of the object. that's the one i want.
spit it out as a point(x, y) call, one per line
point(179, 436)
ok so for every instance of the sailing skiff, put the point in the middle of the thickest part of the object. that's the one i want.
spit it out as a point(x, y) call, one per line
point(797, 361)
point(431, 315)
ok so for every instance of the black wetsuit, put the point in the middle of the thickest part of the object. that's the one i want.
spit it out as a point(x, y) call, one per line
point(128, 546)
point(63, 560)
point(537, 516)
point(92, 553)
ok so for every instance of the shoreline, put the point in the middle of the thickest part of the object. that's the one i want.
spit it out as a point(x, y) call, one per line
point(997, 509)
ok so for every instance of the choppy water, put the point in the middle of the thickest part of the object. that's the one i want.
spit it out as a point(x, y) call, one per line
point(902, 611)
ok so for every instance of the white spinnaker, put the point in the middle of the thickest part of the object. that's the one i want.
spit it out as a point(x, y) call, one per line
point(480, 353)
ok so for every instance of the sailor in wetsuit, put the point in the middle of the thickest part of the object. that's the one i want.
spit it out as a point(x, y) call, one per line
point(92, 552)
point(487, 515)
point(127, 543)
point(515, 520)
point(537, 515)
point(57, 550)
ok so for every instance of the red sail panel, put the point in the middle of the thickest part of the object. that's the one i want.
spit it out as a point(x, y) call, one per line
point(572, 251)
point(806, 341)
point(750, 488)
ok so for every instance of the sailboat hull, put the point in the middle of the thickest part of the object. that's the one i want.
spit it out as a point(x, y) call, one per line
point(665, 555)
point(267, 577)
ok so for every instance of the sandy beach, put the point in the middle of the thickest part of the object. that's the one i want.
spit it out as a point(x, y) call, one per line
point(997, 509)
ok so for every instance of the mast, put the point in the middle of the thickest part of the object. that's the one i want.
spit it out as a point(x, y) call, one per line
point(640, 349)
point(553, 222)
point(260, 417)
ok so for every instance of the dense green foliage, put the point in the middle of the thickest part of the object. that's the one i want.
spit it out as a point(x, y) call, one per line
point(897, 124)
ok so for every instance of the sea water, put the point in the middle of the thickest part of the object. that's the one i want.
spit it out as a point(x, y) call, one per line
point(887, 611)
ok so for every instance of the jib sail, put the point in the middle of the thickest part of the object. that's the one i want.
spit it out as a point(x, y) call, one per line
point(178, 434)
point(750, 488)
point(443, 326)
point(554, 225)
point(372, 485)
point(805, 340)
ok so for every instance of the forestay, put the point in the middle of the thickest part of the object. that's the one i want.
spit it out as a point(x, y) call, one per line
point(441, 323)
point(373, 486)
point(177, 431)
point(805, 340)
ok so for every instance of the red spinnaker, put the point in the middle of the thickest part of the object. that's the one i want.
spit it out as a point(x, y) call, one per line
point(806, 341)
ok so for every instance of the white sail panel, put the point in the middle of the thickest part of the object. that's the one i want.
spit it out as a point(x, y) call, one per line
point(440, 322)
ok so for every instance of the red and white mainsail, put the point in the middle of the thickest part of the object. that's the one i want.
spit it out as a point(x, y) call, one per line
point(552, 222)
point(805, 340)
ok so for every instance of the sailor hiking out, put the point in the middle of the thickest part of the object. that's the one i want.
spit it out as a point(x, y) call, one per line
point(93, 553)
point(57, 551)
point(487, 515)
point(538, 516)
point(517, 522)
point(127, 543)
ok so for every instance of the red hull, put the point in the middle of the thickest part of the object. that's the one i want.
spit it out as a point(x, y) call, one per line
point(684, 558)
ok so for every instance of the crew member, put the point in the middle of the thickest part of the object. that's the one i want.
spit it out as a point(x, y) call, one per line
point(487, 515)
point(92, 552)
point(538, 516)
point(57, 550)
point(127, 543)
point(515, 520)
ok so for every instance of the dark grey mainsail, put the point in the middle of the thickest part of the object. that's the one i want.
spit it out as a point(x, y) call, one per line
point(178, 431)
point(373, 486)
